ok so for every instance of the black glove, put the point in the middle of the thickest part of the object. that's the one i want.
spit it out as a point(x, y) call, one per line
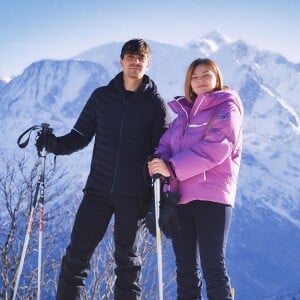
point(150, 219)
point(168, 216)
point(47, 140)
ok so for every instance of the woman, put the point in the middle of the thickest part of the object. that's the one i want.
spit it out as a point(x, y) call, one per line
point(201, 153)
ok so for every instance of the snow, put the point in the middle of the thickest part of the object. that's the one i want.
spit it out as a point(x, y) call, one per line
point(268, 194)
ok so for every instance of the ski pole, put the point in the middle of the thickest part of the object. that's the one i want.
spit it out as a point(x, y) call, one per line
point(232, 293)
point(41, 221)
point(156, 184)
point(40, 187)
point(45, 130)
point(27, 236)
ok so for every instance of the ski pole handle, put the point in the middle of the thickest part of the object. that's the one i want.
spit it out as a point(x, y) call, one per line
point(46, 129)
point(156, 176)
point(150, 158)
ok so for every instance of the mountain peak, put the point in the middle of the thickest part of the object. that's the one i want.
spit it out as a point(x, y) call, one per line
point(218, 37)
point(6, 79)
point(210, 42)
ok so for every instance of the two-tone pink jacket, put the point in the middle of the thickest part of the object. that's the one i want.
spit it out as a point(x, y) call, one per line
point(203, 147)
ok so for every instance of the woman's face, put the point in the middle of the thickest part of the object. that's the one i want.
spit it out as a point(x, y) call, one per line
point(203, 80)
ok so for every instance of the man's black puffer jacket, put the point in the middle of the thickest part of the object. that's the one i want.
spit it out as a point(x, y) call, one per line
point(126, 133)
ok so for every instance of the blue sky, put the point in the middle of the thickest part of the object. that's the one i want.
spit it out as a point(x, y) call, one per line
point(31, 30)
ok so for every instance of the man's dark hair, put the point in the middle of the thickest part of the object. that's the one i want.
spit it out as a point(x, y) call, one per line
point(135, 46)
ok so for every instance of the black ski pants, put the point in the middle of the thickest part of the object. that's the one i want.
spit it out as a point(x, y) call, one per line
point(202, 241)
point(91, 222)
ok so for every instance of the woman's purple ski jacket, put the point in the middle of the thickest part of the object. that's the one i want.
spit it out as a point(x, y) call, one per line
point(203, 146)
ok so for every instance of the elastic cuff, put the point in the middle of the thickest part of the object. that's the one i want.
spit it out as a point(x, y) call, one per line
point(171, 169)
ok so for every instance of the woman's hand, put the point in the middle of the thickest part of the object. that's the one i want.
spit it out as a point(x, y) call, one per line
point(158, 166)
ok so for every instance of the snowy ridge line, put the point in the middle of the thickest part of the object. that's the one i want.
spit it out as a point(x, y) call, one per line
point(281, 212)
point(285, 105)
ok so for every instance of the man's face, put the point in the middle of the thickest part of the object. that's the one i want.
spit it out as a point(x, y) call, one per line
point(135, 65)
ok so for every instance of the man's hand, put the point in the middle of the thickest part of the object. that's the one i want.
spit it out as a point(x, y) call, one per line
point(47, 141)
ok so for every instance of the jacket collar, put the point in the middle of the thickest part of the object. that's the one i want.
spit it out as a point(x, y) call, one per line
point(203, 101)
point(147, 84)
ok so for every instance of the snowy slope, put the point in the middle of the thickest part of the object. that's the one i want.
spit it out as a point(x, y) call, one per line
point(265, 239)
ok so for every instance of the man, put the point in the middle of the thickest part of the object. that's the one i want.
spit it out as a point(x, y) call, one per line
point(127, 118)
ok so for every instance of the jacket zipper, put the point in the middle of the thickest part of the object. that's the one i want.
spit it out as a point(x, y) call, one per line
point(199, 105)
point(193, 125)
point(118, 152)
point(187, 116)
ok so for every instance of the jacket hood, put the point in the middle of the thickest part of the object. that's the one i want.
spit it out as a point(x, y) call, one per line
point(147, 86)
point(204, 101)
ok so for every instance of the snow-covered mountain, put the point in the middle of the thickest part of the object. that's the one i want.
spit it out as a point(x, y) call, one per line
point(263, 249)
point(5, 80)
point(209, 43)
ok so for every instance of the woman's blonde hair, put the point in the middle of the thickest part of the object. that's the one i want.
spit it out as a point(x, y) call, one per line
point(189, 94)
